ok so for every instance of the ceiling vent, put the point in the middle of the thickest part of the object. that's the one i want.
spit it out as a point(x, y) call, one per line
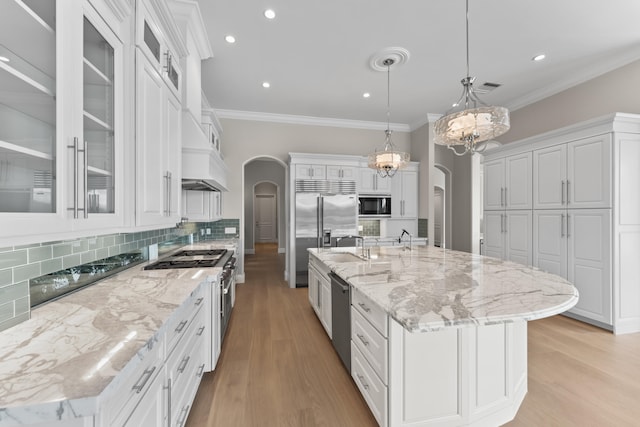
point(486, 87)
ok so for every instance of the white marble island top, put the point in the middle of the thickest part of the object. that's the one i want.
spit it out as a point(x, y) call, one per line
point(429, 288)
point(57, 364)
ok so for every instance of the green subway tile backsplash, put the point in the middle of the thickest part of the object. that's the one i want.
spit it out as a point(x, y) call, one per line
point(20, 263)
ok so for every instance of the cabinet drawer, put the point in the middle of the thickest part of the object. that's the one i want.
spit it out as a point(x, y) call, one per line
point(182, 318)
point(370, 311)
point(371, 343)
point(183, 360)
point(182, 396)
point(372, 389)
point(136, 377)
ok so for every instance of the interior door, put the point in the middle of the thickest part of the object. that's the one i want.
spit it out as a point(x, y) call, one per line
point(265, 212)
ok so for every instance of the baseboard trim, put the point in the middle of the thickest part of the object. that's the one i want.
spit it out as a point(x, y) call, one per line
point(282, 250)
point(249, 251)
point(240, 278)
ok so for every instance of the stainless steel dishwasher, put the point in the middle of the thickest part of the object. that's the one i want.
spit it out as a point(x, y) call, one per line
point(341, 319)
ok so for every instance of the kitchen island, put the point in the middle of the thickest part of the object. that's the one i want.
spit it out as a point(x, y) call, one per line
point(439, 337)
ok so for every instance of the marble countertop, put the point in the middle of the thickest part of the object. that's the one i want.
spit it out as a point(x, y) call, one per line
point(429, 288)
point(71, 349)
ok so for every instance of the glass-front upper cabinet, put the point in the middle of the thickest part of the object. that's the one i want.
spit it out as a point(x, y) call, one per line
point(28, 106)
point(61, 119)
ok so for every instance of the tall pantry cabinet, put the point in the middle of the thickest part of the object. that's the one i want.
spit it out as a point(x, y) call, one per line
point(62, 117)
point(586, 214)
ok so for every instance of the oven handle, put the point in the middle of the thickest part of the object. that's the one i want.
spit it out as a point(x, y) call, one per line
point(222, 300)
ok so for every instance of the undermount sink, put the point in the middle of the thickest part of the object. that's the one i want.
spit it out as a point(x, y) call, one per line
point(343, 257)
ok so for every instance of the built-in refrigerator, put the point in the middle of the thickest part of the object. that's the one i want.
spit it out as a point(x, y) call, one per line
point(321, 218)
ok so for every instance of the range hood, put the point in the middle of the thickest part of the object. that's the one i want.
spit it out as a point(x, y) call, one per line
point(199, 185)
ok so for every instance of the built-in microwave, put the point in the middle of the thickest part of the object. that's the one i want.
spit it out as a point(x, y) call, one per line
point(374, 206)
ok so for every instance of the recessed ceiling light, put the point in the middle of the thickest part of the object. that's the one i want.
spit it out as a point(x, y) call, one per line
point(366, 95)
point(4, 59)
point(230, 39)
point(266, 85)
point(269, 14)
point(539, 57)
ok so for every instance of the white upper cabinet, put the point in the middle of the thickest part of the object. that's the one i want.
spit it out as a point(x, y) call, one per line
point(342, 172)
point(370, 182)
point(507, 183)
point(311, 171)
point(508, 235)
point(404, 194)
point(62, 121)
point(158, 123)
point(573, 175)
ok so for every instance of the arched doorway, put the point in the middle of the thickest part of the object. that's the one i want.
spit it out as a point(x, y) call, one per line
point(442, 206)
point(265, 212)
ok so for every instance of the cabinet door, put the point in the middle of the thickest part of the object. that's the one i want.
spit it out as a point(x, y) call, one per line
point(549, 177)
point(151, 181)
point(314, 289)
point(493, 193)
point(410, 194)
point(518, 182)
point(550, 241)
point(325, 304)
point(173, 154)
point(197, 205)
point(589, 265)
point(366, 181)
point(493, 234)
point(341, 172)
point(517, 228)
point(589, 173)
point(151, 411)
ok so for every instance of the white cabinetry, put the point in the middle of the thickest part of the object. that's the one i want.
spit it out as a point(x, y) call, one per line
point(201, 205)
point(62, 123)
point(158, 125)
point(508, 235)
point(586, 214)
point(311, 172)
point(507, 183)
point(370, 182)
point(320, 292)
point(404, 194)
point(342, 172)
point(573, 175)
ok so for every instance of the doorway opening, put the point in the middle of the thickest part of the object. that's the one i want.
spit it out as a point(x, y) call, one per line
point(441, 206)
point(265, 212)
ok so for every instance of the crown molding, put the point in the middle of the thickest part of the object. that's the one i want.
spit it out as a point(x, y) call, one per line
point(169, 26)
point(429, 118)
point(594, 70)
point(187, 13)
point(309, 121)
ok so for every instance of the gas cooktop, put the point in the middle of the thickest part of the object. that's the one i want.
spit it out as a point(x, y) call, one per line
point(197, 258)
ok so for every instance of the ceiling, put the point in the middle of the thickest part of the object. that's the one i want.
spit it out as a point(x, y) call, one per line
point(316, 54)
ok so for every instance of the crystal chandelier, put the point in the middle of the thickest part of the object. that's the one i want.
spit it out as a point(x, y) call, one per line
point(389, 160)
point(470, 122)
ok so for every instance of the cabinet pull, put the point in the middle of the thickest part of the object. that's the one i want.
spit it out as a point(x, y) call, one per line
point(85, 156)
point(364, 307)
point(74, 147)
point(183, 364)
point(568, 226)
point(568, 201)
point(505, 223)
point(181, 326)
point(200, 371)
point(364, 341)
point(169, 191)
point(199, 301)
point(168, 388)
point(561, 225)
point(183, 415)
point(200, 331)
point(142, 381)
point(562, 194)
point(364, 384)
point(501, 196)
point(505, 197)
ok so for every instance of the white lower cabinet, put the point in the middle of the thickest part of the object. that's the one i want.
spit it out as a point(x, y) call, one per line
point(159, 389)
point(320, 292)
point(576, 244)
point(507, 236)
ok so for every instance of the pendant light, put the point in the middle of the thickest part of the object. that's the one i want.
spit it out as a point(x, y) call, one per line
point(470, 122)
point(389, 160)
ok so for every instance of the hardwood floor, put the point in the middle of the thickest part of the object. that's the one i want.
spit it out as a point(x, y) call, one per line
point(278, 368)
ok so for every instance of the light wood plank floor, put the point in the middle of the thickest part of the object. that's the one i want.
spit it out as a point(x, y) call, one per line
point(278, 368)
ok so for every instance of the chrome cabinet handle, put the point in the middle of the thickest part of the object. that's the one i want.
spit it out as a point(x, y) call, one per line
point(501, 196)
point(199, 301)
point(169, 191)
point(505, 197)
point(85, 151)
point(562, 194)
point(181, 326)
point(561, 225)
point(183, 364)
point(364, 307)
point(364, 341)
point(568, 226)
point(200, 331)
point(505, 223)
point(364, 384)
point(183, 415)
point(200, 371)
point(168, 388)
point(142, 381)
point(568, 201)
point(74, 147)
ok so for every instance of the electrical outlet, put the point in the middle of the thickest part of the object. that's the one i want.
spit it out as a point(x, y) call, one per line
point(202, 232)
point(360, 228)
point(229, 230)
point(208, 231)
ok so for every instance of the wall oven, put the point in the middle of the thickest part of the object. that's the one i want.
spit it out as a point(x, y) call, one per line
point(374, 206)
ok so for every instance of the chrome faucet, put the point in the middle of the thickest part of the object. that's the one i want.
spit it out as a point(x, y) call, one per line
point(410, 238)
point(364, 254)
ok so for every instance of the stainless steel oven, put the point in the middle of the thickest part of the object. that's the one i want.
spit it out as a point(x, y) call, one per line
point(227, 281)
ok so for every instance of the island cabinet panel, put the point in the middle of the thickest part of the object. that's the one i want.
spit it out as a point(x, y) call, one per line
point(457, 376)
